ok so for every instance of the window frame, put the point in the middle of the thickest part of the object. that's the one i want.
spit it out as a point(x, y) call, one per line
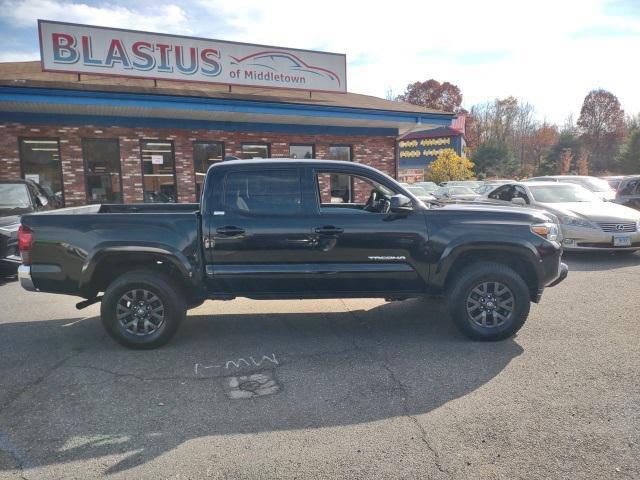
point(22, 173)
point(336, 170)
point(173, 153)
point(313, 150)
point(262, 144)
point(86, 169)
point(193, 158)
point(298, 172)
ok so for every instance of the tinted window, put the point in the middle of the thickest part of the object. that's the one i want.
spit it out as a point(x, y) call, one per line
point(503, 193)
point(274, 192)
point(158, 171)
point(102, 169)
point(630, 188)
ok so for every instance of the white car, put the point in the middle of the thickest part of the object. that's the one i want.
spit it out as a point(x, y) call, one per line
point(586, 221)
point(598, 186)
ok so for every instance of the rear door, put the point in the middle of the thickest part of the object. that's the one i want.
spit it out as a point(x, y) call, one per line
point(258, 237)
point(359, 248)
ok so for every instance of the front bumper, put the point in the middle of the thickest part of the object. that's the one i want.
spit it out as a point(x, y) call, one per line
point(575, 239)
point(564, 271)
point(24, 275)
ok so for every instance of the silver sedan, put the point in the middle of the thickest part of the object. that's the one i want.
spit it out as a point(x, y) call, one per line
point(586, 221)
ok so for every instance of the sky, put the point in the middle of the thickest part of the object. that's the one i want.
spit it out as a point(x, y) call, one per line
point(549, 53)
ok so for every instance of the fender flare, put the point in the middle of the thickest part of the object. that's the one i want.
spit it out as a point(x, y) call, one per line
point(97, 255)
point(513, 245)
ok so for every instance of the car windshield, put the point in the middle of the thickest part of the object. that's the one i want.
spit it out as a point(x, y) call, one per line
point(559, 193)
point(428, 187)
point(591, 183)
point(14, 195)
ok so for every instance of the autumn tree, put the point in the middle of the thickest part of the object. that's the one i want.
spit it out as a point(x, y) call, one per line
point(582, 163)
point(541, 142)
point(433, 94)
point(449, 166)
point(601, 123)
point(566, 159)
point(629, 157)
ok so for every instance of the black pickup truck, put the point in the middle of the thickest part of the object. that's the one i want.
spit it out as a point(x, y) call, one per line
point(287, 229)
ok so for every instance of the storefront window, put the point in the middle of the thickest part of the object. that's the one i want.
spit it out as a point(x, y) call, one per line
point(40, 162)
point(341, 185)
point(158, 171)
point(205, 154)
point(301, 151)
point(255, 150)
point(102, 169)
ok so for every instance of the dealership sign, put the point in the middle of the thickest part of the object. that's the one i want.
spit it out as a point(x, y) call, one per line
point(67, 47)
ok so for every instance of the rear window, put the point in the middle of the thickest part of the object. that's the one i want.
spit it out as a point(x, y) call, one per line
point(14, 195)
point(274, 192)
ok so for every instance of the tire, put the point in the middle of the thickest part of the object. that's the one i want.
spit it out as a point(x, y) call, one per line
point(147, 318)
point(466, 301)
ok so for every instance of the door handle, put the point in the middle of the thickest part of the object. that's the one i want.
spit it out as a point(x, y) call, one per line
point(329, 230)
point(230, 231)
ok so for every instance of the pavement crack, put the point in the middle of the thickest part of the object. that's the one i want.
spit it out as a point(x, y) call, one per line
point(404, 391)
point(42, 377)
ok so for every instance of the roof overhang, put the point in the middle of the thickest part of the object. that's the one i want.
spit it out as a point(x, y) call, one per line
point(66, 106)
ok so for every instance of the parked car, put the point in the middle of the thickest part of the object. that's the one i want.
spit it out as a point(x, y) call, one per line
point(490, 185)
point(587, 222)
point(614, 180)
point(628, 193)
point(18, 197)
point(456, 192)
point(594, 184)
point(419, 192)
point(429, 187)
point(266, 229)
point(470, 184)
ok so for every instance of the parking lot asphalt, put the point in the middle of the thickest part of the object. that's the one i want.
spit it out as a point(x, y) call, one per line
point(329, 389)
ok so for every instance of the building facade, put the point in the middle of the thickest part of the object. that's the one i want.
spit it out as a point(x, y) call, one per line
point(96, 139)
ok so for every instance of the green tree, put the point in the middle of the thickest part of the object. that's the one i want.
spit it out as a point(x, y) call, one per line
point(629, 157)
point(493, 158)
point(568, 145)
point(450, 166)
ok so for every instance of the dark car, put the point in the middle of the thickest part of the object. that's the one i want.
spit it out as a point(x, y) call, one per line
point(628, 192)
point(18, 197)
point(271, 229)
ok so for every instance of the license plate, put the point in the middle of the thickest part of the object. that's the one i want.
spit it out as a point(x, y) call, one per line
point(621, 241)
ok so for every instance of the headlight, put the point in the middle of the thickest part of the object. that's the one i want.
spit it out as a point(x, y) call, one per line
point(576, 222)
point(546, 230)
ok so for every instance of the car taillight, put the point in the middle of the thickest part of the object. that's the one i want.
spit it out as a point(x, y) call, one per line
point(25, 242)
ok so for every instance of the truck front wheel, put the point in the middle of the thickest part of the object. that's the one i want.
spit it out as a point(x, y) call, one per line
point(488, 301)
point(142, 309)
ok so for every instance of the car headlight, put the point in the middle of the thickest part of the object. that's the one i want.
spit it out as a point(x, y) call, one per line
point(546, 230)
point(576, 222)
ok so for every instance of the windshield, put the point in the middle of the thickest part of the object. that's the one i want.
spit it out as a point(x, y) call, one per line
point(428, 187)
point(14, 195)
point(562, 193)
point(593, 184)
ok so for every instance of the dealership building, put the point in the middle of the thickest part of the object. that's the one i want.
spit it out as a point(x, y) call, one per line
point(90, 124)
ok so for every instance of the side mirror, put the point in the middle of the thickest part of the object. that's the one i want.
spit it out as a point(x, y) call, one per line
point(519, 201)
point(400, 204)
point(42, 200)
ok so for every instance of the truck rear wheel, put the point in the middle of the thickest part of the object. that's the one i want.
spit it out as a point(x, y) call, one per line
point(142, 309)
point(488, 301)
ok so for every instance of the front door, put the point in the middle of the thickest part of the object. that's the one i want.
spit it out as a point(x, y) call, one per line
point(359, 247)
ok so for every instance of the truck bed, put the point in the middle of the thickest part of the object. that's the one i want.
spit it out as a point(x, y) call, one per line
point(71, 243)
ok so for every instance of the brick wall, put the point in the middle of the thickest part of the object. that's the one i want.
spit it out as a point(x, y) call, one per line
point(378, 152)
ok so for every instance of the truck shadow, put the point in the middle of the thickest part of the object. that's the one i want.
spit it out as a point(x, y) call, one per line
point(96, 400)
